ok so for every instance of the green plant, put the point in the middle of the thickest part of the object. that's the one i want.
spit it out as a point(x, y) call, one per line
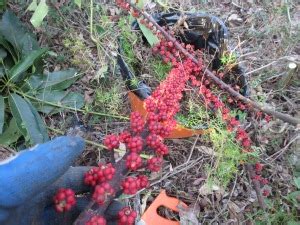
point(160, 69)
point(109, 100)
point(228, 58)
point(227, 151)
point(127, 42)
point(25, 89)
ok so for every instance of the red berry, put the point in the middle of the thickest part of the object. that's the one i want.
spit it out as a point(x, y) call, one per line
point(130, 185)
point(258, 167)
point(100, 174)
point(264, 181)
point(154, 164)
point(268, 118)
point(257, 177)
point(153, 140)
point(124, 137)
point(161, 149)
point(266, 193)
point(96, 220)
point(135, 144)
point(136, 122)
point(143, 180)
point(126, 216)
point(246, 142)
point(102, 191)
point(111, 141)
point(64, 199)
point(133, 161)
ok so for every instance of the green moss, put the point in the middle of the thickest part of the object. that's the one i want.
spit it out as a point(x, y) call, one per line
point(160, 69)
point(108, 100)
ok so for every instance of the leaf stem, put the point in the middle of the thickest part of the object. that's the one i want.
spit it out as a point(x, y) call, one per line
point(69, 108)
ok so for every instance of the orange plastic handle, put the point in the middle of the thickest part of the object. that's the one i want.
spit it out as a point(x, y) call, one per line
point(150, 217)
point(179, 132)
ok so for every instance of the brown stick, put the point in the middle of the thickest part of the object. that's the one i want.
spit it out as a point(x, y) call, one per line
point(228, 88)
point(256, 186)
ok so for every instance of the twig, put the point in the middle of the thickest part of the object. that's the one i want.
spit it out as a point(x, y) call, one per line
point(211, 75)
point(256, 186)
point(260, 68)
point(226, 204)
point(276, 155)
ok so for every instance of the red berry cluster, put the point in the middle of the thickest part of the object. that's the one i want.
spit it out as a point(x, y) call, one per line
point(154, 164)
point(96, 220)
point(263, 181)
point(136, 122)
point(64, 199)
point(102, 192)
point(100, 174)
point(131, 185)
point(135, 144)
point(126, 216)
point(133, 161)
point(111, 142)
point(124, 137)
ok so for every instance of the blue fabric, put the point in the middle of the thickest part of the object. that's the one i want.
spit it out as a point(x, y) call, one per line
point(29, 180)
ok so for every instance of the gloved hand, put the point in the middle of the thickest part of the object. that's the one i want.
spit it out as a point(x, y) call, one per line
point(29, 180)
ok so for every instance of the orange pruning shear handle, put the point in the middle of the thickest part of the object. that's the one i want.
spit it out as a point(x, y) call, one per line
point(150, 217)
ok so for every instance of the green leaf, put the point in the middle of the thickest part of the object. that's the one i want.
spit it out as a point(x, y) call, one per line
point(32, 6)
point(28, 120)
point(151, 38)
point(2, 5)
point(297, 182)
point(58, 80)
point(60, 98)
point(16, 73)
point(11, 134)
point(3, 53)
point(17, 35)
point(8, 47)
point(39, 14)
point(78, 3)
point(2, 112)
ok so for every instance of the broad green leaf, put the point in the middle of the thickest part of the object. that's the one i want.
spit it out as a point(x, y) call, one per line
point(297, 182)
point(60, 98)
point(11, 134)
point(151, 38)
point(8, 47)
point(39, 14)
point(40, 122)
point(27, 119)
point(17, 35)
point(2, 112)
point(32, 6)
point(3, 53)
point(78, 3)
point(58, 80)
point(16, 73)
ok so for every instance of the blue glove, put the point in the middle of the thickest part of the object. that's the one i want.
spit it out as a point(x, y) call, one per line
point(29, 180)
